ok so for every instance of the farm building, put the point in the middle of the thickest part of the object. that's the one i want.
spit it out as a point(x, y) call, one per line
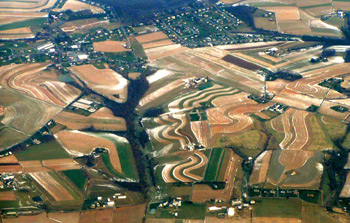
point(279, 172)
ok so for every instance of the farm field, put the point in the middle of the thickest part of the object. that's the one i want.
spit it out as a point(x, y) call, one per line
point(82, 24)
point(223, 166)
point(103, 119)
point(345, 192)
point(118, 160)
point(184, 166)
point(208, 62)
point(278, 208)
point(17, 18)
point(26, 6)
point(157, 45)
point(299, 130)
point(297, 17)
point(173, 132)
point(162, 89)
point(57, 190)
point(75, 6)
point(19, 33)
point(104, 81)
point(110, 46)
point(22, 116)
point(38, 81)
point(287, 169)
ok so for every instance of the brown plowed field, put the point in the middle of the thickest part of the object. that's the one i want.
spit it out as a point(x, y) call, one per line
point(325, 109)
point(33, 166)
point(7, 196)
point(55, 189)
point(104, 81)
point(276, 86)
point(19, 33)
point(260, 168)
point(132, 214)
point(296, 100)
point(163, 51)
point(293, 160)
point(70, 217)
point(8, 159)
point(40, 218)
point(343, 5)
point(157, 44)
point(241, 63)
point(201, 130)
point(103, 119)
point(345, 193)
point(61, 164)
point(75, 6)
point(346, 82)
point(88, 216)
point(110, 46)
point(151, 37)
point(10, 168)
point(104, 216)
point(84, 143)
point(276, 219)
point(284, 13)
point(230, 99)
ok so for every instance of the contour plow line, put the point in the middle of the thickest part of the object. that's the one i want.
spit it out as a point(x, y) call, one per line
point(179, 170)
point(203, 162)
point(166, 173)
point(301, 131)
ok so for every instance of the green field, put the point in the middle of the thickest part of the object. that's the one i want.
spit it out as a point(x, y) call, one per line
point(187, 211)
point(217, 165)
point(274, 207)
point(125, 156)
point(138, 49)
point(43, 151)
point(316, 5)
point(314, 214)
point(27, 23)
point(78, 177)
point(69, 186)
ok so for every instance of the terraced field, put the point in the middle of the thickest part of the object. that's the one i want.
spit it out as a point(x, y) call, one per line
point(163, 86)
point(207, 97)
point(233, 119)
point(188, 169)
point(22, 116)
point(299, 130)
point(171, 132)
point(39, 82)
